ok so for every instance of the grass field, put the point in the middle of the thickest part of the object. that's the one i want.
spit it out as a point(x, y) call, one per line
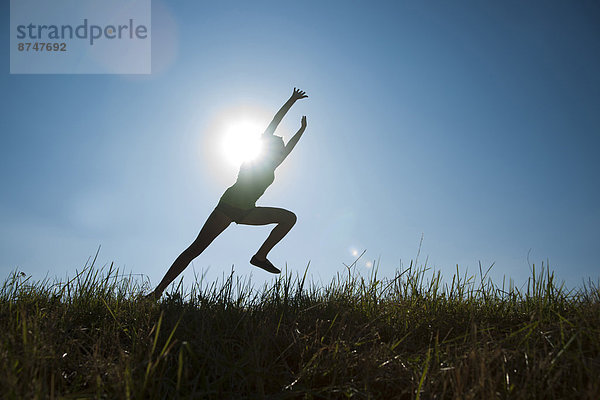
point(412, 336)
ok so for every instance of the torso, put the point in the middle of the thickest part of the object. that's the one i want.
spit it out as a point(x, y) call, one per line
point(252, 181)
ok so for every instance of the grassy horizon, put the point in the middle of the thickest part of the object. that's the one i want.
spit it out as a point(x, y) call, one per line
point(412, 336)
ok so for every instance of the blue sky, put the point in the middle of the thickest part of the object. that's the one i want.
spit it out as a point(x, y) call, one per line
point(472, 124)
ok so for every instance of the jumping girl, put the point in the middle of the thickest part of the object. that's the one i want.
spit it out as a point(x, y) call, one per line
point(238, 202)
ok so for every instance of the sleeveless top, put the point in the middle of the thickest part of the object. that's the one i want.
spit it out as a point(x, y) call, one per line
point(252, 181)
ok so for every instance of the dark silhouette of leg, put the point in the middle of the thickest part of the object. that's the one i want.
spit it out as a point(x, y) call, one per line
point(284, 219)
point(214, 225)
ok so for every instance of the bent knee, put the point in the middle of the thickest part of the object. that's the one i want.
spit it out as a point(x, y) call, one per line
point(291, 218)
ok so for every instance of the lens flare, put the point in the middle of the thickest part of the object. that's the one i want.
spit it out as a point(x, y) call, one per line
point(241, 142)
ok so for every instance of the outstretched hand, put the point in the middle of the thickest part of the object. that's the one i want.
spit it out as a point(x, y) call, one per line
point(303, 122)
point(299, 94)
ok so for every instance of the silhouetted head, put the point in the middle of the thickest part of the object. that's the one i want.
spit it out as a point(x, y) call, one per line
point(273, 146)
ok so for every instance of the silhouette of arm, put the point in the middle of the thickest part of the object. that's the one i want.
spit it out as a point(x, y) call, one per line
point(293, 141)
point(296, 95)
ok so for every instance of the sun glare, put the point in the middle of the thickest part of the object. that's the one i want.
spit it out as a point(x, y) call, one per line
point(241, 142)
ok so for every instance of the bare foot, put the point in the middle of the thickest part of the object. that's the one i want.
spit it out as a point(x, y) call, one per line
point(153, 295)
point(264, 264)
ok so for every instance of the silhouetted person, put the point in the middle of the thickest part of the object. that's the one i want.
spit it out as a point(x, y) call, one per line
point(238, 202)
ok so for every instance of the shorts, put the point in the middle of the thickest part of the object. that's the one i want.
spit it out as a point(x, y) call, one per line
point(236, 214)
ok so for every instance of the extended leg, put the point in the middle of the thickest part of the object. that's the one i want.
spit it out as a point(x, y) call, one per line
point(284, 219)
point(214, 225)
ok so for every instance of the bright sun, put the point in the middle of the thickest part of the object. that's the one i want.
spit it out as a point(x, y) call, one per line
point(241, 141)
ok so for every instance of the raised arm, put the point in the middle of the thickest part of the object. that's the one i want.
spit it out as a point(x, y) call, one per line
point(293, 141)
point(296, 95)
